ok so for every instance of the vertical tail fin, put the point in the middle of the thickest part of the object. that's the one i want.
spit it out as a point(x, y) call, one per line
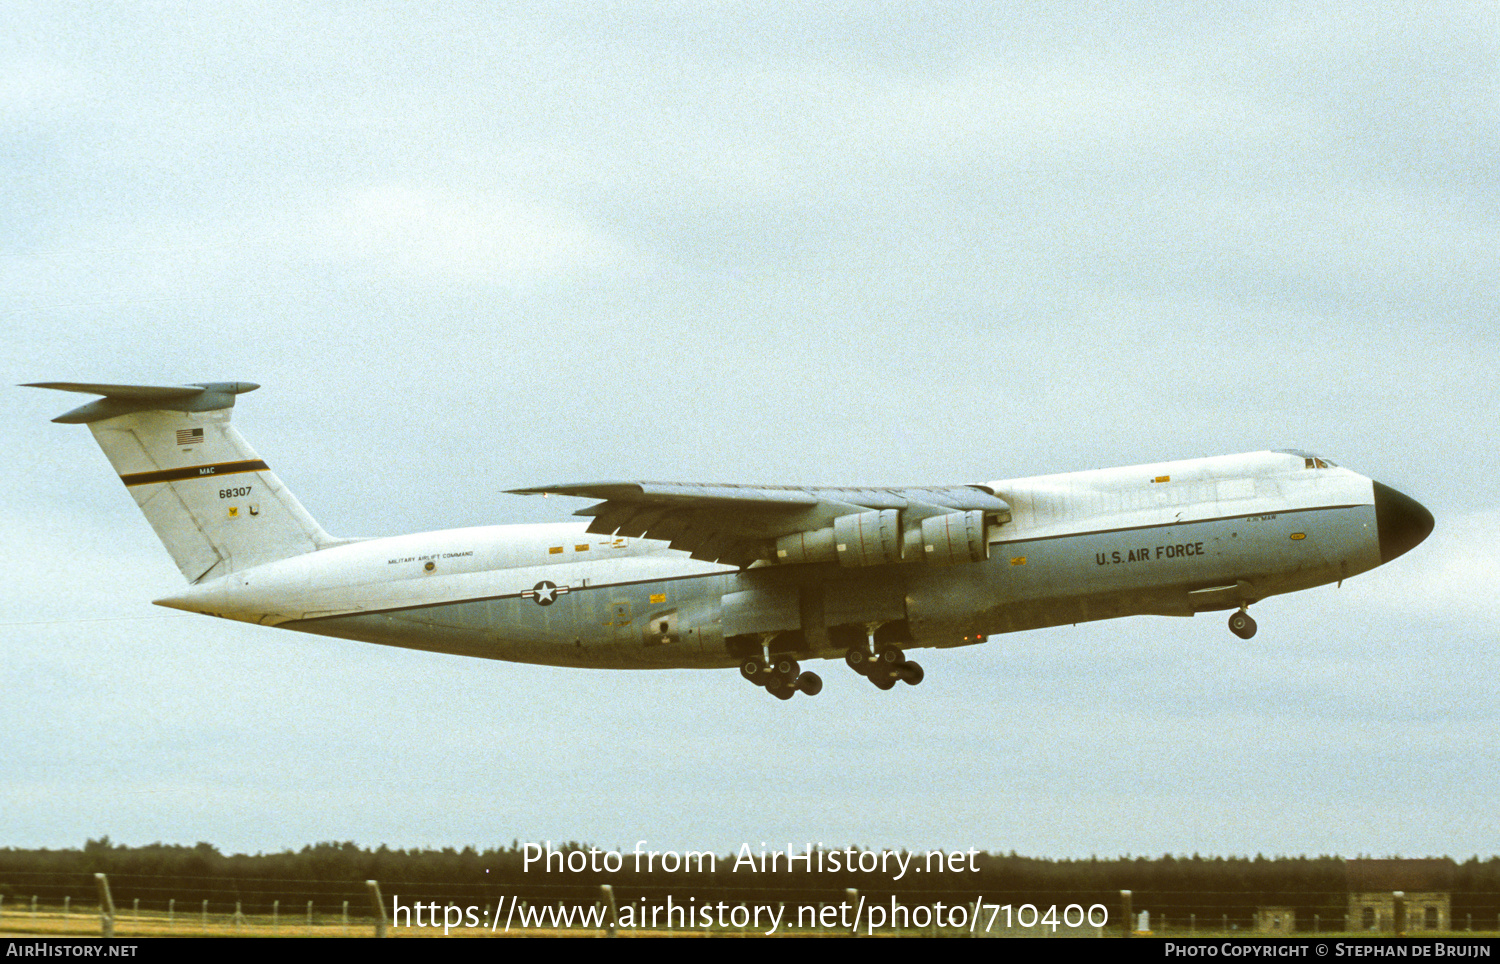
point(212, 501)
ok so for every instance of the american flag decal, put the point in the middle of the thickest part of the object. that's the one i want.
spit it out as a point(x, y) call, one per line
point(189, 436)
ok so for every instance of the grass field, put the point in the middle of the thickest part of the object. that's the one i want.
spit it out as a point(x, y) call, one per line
point(52, 922)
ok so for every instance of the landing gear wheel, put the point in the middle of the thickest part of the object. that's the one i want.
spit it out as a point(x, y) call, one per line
point(786, 667)
point(810, 683)
point(910, 673)
point(1242, 625)
point(883, 679)
point(858, 660)
point(780, 690)
point(754, 671)
point(890, 656)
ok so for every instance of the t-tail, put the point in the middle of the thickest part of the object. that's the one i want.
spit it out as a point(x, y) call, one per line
point(212, 501)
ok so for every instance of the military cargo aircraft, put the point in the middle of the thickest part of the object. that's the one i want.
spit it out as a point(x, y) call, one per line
point(667, 575)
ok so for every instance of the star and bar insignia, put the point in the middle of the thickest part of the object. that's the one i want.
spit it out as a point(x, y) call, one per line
point(545, 593)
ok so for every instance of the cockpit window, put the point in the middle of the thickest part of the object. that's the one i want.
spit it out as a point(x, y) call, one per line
point(1311, 461)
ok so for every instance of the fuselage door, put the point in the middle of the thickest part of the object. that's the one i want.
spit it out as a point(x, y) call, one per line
point(621, 616)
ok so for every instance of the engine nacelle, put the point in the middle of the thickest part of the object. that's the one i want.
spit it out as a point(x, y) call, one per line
point(861, 539)
point(954, 538)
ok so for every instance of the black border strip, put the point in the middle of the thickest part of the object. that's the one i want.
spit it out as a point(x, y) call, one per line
point(706, 575)
point(194, 472)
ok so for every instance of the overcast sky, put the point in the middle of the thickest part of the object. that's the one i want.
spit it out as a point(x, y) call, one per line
point(465, 248)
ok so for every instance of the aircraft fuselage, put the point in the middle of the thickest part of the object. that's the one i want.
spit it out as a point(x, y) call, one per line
point(1171, 538)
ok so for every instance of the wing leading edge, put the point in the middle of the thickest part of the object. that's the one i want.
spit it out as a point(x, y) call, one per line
point(740, 524)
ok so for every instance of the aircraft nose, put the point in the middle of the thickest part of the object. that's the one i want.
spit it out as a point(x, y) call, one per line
point(1400, 520)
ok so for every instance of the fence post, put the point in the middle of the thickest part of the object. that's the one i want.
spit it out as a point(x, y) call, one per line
point(346, 918)
point(135, 910)
point(379, 907)
point(106, 907)
point(309, 913)
point(67, 906)
point(171, 911)
point(612, 929)
point(275, 914)
point(205, 915)
point(1126, 912)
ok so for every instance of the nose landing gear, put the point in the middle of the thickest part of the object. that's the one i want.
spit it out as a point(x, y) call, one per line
point(1241, 624)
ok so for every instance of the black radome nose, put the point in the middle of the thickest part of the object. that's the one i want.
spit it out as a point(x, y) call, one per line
point(1400, 520)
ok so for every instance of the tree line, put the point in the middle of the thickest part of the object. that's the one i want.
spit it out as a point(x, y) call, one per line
point(1209, 888)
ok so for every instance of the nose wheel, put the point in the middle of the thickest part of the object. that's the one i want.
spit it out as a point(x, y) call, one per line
point(1242, 625)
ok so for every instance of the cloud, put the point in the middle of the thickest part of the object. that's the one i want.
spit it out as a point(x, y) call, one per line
point(478, 236)
point(1451, 575)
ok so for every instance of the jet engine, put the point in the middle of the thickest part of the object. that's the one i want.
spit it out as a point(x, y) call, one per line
point(861, 539)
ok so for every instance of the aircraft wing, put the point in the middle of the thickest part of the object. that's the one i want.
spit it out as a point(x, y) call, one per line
point(738, 524)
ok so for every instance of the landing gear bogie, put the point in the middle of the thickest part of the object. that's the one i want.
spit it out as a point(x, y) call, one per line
point(783, 677)
point(886, 667)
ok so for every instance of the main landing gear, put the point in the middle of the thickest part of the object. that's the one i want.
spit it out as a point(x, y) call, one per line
point(885, 667)
point(1241, 624)
point(782, 677)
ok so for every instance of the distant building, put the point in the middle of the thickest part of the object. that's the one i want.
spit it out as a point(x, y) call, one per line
point(1426, 887)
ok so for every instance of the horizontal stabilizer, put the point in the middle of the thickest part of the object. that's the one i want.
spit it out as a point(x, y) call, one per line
point(124, 399)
